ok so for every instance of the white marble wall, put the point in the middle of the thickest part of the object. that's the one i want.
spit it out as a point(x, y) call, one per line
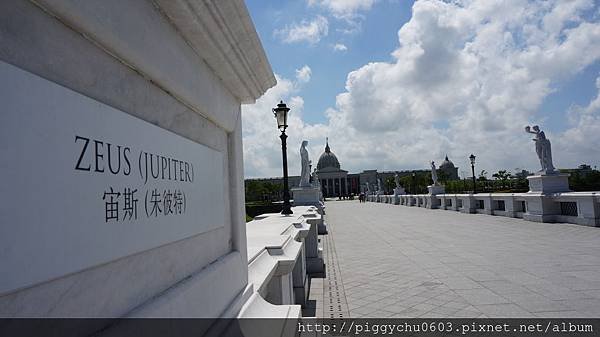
point(149, 65)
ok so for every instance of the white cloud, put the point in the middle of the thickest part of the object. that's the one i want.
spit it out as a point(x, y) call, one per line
point(350, 12)
point(340, 47)
point(582, 137)
point(466, 78)
point(303, 74)
point(343, 8)
point(306, 31)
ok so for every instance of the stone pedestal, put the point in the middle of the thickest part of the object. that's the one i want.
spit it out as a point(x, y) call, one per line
point(436, 189)
point(314, 258)
point(540, 208)
point(431, 201)
point(306, 196)
point(551, 183)
point(468, 204)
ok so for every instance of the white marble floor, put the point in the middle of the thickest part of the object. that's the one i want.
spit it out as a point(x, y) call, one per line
point(398, 261)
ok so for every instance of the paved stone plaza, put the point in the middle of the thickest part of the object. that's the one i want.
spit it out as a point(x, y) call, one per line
point(413, 262)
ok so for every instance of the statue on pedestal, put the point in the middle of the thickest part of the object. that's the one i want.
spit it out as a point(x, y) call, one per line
point(398, 190)
point(379, 189)
point(543, 149)
point(434, 176)
point(305, 172)
point(367, 190)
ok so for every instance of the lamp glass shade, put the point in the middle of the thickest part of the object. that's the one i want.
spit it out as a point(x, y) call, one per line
point(472, 158)
point(280, 113)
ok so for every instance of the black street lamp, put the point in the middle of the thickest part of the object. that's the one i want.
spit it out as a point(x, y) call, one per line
point(414, 183)
point(280, 113)
point(472, 158)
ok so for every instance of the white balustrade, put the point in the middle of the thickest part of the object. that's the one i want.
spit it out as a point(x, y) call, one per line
point(571, 207)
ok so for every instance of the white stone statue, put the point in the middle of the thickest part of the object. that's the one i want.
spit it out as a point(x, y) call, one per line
point(434, 174)
point(398, 190)
point(543, 149)
point(367, 190)
point(305, 172)
point(379, 189)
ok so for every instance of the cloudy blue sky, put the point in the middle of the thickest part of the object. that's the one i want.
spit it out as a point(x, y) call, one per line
point(397, 83)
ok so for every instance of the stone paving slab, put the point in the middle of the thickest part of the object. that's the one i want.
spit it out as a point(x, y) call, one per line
point(398, 261)
point(327, 298)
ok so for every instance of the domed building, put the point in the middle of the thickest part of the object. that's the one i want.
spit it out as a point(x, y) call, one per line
point(449, 169)
point(334, 180)
point(328, 159)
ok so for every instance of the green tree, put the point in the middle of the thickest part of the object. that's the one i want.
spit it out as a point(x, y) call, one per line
point(257, 190)
point(443, 177)
point(585, 182)
point(483, 175)
point(406, 182)
point(389, 184)
point(502, 175)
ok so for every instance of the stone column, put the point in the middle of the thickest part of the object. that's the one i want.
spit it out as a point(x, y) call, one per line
point(510, 207)
point(454, 205)
point(588, 210)
point(468, 205)
point(488, 207)
point(348, 186)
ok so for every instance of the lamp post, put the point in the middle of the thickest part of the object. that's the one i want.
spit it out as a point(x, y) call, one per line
point(280, 113)
point(414, 183)
point(472, 158)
